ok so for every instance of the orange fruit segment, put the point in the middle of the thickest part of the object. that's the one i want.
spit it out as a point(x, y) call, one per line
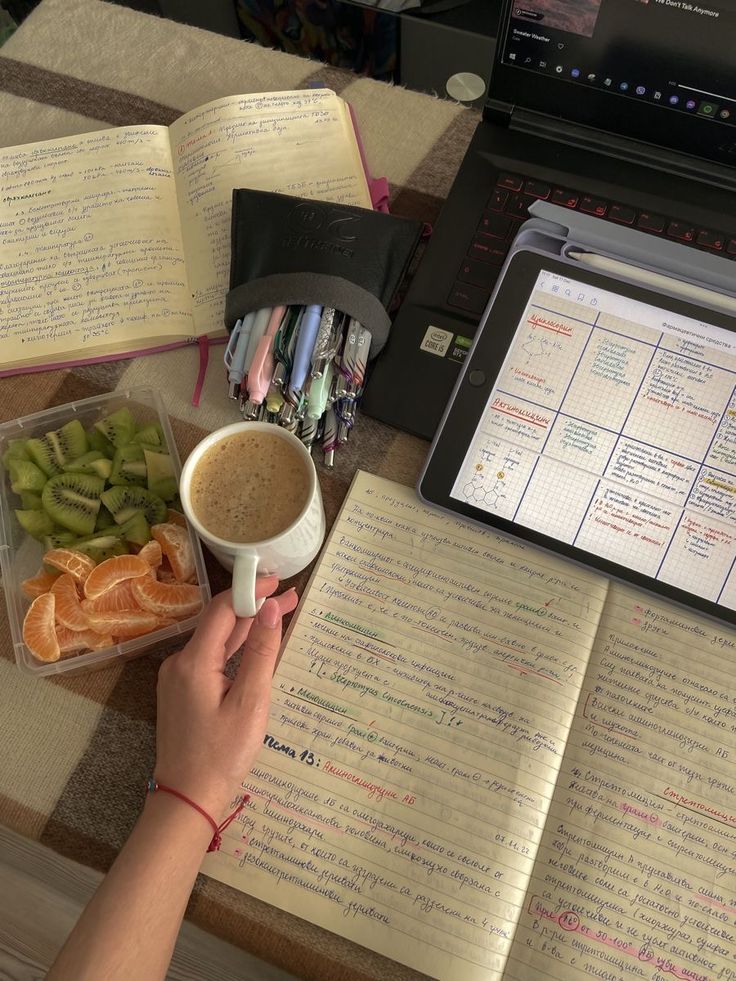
point(38, 629)
point(76, 564)
point(114, 600)
point(175, 517)
point(113, 571)
point(68, 612)
point(73, 641)
point(40, 583)
point(152, 553)
point(125, 624)
point(176, 546)
point(176, 600)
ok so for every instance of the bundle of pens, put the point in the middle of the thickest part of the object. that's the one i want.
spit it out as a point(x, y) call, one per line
point(300, 367)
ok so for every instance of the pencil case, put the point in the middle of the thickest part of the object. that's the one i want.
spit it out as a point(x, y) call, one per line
point(288, 250)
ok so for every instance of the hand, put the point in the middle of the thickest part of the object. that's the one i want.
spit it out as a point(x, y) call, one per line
point(210, 729)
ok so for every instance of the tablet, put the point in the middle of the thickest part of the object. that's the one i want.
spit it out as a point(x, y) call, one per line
point(598, 419)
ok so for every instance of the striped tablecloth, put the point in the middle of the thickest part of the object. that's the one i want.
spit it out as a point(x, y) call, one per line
point(76, 752)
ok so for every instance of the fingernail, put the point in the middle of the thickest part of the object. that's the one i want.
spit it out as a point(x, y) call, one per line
point(269, 614)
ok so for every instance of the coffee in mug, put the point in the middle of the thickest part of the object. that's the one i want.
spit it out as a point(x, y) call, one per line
point(251, 493)
point(249, 486)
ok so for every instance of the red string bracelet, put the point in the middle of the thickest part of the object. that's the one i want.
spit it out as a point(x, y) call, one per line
point(214, 845)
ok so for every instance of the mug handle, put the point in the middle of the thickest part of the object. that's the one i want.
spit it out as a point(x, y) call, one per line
point(244, 586)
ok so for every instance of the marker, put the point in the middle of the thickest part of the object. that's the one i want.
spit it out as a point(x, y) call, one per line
point(236, 367)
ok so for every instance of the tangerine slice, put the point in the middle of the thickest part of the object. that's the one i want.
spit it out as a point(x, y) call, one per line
point(69, 612)
point(175, 517)
point(125, 624)
point(114, 600)
point(40, 583)
point(152, 553)
point(113, 571)
point(168, 599)
point(177, 547)
point(73, 641)
point(77, 564)
point(38, 629)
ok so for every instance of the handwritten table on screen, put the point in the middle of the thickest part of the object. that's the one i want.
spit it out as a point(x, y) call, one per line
point(485, 762)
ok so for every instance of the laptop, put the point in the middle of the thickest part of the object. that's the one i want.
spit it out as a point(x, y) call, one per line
point(620, 109)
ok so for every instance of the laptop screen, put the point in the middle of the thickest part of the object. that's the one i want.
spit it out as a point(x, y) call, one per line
point(662, 70)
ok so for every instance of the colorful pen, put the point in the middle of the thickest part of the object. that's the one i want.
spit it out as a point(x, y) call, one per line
point(260, 370)
point(329, 438)
point(304, 347)
point(323, 341)
point(236, 367)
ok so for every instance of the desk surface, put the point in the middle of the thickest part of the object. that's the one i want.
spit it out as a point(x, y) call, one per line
point(76, 753)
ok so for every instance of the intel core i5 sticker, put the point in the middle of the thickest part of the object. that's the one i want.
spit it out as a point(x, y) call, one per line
point(436, 341)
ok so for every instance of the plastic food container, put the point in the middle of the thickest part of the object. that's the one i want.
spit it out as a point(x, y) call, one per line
point(21, 555)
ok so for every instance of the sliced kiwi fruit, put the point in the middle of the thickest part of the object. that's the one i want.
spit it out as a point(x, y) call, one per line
point(25, 476)
point(100, 443)
point(72, 500)
point(59, 538)
point(104, 519)
point(128, 467)
point(92, 462)
point(36, 523)
point(118, 427)
point(52, 451)
point(136, 529)
point(160, 475)
point(30, 500)
point(124, 502)
point(101, 547)
point(16, 451)
point(151, 435)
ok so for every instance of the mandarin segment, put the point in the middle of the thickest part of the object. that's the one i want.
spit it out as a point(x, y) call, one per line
point(74, 641)
point(152, 553)
point(177, 547)
point(125, 624)
point(77, 564)
point(176, 600)
point(40, 583)
point(38, 629)
point(113, 571)
point(114, 600)
point(69, 612)
point(175, 517)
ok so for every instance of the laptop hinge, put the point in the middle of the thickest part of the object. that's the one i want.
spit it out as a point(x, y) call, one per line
point(498, 112)
point(623, 148)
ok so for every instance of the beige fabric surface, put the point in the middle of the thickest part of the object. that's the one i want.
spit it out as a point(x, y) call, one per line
point(76, 752)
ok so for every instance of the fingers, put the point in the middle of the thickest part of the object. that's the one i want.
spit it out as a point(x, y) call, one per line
point(264, 587)
point(254, 676)
point(287, 602)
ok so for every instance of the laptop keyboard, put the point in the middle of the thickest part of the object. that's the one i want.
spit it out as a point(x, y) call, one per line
point(508, 207)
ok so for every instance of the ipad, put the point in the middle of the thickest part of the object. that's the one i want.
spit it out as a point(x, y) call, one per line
point(598, 419)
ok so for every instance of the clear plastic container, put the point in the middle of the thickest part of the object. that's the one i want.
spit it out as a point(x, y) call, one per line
point(21, 555)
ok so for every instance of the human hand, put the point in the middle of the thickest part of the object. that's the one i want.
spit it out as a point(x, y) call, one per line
point(210, 729)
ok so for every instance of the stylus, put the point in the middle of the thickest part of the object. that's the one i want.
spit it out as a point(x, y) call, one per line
point(687, 291)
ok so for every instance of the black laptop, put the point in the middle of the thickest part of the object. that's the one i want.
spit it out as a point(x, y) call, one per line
point(621, 109)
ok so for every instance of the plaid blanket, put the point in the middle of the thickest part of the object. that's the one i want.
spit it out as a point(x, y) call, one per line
point(76, 752)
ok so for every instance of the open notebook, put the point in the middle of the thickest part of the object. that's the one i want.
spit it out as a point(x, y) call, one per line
point(488, 763)
point(118, 242)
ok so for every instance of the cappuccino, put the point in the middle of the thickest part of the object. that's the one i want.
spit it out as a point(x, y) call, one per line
point(249, 486)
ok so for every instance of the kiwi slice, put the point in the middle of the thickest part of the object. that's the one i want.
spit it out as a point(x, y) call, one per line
point(72, 500)
point(101, 547)
point(160, 474)
point(104, 519)
point(136, 529)
point(36, 523)
point(92, 462)
point(25, 476)
point(16, 451)
point(99, 442)
point(118, 427)
point(52, 451)
point(30, 501)
point(128, 466)
point(124, 502)
point(151, 435)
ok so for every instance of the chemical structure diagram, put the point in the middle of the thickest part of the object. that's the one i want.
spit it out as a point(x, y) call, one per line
point(536, 346)
point(487, 489)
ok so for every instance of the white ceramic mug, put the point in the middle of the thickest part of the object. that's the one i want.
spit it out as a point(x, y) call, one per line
point(283, 555)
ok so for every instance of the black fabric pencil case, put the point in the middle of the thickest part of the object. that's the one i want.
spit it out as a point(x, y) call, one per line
point(289, 250)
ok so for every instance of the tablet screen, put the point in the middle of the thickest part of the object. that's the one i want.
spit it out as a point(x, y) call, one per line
point(611, 428)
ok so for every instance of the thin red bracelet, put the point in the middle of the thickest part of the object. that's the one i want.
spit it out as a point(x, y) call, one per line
point(153, 785)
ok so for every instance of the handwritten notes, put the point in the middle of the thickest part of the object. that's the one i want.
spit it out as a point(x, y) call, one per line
point(420, 716)
point(90, 247)
point(299, 143)
point(636, 872)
